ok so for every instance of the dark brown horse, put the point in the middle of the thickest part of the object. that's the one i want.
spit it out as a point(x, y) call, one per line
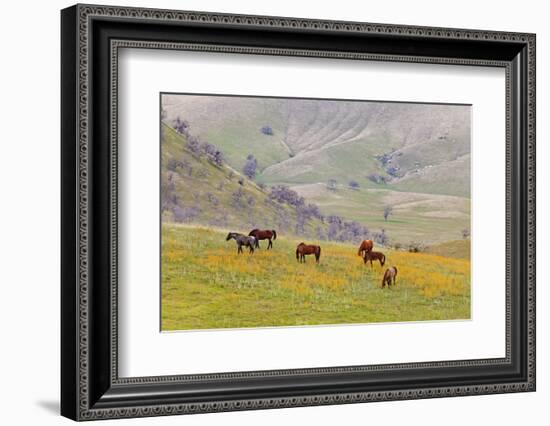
point(389, 276)
point(365, 246)
point(374, 255)
point(264, 234)
point(304, 249)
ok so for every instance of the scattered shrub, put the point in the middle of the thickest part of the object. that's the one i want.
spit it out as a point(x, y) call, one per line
point(379, 179)
point(381, 237)
point(267, 130)
point(283, 194)
point(237, 198)
point(250, 166)
point(185, 214)
point(415, 247)
point(353, 184)
point(181, 126)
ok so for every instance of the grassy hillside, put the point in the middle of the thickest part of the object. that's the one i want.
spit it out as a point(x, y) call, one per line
point(459, 249)
point(315, 141)
point(200, 192)
point(416, 217)
point(205, 284)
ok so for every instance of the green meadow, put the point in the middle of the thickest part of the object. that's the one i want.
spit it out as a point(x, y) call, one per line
point(207, 285)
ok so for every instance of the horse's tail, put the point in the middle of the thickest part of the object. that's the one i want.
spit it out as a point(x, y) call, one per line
point(274, 234)
point(297, 253)
point(318, 253)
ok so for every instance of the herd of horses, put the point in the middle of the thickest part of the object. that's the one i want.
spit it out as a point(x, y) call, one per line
point(252, 241)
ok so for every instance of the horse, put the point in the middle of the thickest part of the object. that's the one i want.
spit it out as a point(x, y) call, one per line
point(302, 250)
point(242, 240)
point(374, 255)
point(389, 275)
point(365, 246)
point(263, 235)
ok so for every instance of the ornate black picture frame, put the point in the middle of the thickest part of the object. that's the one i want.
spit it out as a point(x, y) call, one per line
point(91, 37)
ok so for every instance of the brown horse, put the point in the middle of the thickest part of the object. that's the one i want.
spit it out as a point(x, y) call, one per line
point(304, 249)
point(365, 246)
point(374, 255)
point(389, 275)
point(265, 234)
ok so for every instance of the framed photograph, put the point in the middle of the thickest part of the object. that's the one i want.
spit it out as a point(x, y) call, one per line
point(263, 212)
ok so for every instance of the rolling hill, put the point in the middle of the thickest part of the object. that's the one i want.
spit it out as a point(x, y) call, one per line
point(196, 191)
point(397, 146)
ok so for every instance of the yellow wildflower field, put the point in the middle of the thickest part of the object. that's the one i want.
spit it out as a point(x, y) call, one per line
point(207, 285)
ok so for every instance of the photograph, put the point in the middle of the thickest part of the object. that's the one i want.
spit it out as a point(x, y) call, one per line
point(279, 211)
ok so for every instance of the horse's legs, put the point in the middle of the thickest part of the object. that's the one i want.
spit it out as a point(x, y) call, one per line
point(239, 249)
point(270, 245)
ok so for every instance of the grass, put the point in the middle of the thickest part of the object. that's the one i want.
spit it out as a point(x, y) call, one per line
point(420, 218)
point(210, 189)
point(459, 249)
point(338, 140)
point(206, 285)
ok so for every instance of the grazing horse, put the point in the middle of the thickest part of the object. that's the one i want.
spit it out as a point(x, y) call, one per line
point(304, 249)
point(242, 240)
point(263, 235)
point(374, 255)
point(365, 246)
point(389, 275)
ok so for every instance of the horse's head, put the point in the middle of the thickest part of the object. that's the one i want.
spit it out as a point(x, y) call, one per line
point(229, 236)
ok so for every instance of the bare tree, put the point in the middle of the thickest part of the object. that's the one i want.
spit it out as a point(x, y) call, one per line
point(250, 166)
point(381, 237)
point(181, 126)
point(387, 211)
